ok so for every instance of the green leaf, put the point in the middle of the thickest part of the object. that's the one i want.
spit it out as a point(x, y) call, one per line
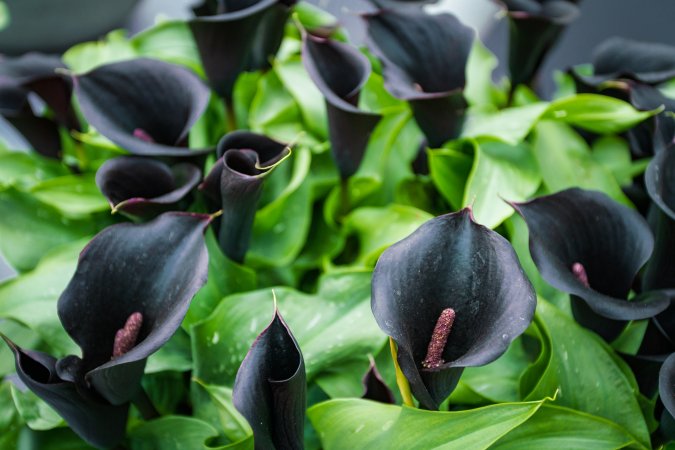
point(35, 412)
point(450, 168)
point(500, 172)
point(378, 228)
point(24, 170)
point(31, 298)
point(225, 277)
point(510, 125)
point(613, 153)
point(213, 404)
point(10, 422)
point(556, 428)
point(74, 196)
point(362, 424)
point(172, 433)
point(334, 326)
point(114, 47)
point(597, 113)
point(480, 90)
point(173, 356)
point(29, 228)
point(583, 370)
point(170, 41)
point(312, 106)
point(280, 227)
point(566, 161)
point(5, 17)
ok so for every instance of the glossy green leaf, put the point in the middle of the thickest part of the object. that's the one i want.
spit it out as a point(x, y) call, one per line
point(613, 153)
point(31, 298)
point(332, 327)
point(565, 161)
point(172, 433)
point(597, 113)
point(510, 125)
point(362, 424)
point(499, 172)
point(170, 41)
point(378, 228)
point(115, 46)
point(73, 195)
point(27, 169)
point(35, 412)
point(583, 370)
point(213, 404)
point(556, 428)
point(480, 90)
point(450, 168)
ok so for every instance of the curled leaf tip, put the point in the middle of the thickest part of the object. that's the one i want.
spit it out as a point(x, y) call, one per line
point(126, 337)
point(439, 339)
point(580, 273)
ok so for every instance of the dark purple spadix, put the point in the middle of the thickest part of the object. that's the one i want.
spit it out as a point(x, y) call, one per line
point(449, 267)
point(127, 336)
point(579, 272)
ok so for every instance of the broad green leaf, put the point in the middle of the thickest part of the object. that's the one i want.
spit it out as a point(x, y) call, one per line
point(280, 227)
point(378, 228)
point(510, 125)
point(35, 412)
point(500, 172)
point(597, 113)
point(334, 326)
point(225, 277)
point(170, 41)
point(73, 195)
point(10, 422)
point(310, 101)
point(166, 390)
point(344, 380)
point(363, 424)
point(450, 168)
point(213, 404)
point(375, 97)
point(565, 161)
point(582, 369)
point(114, 47)
point(556, 428)
point(480, 90)
point(5, 17)
point(29, 228)
point(496, 382)
point(31, 298)
point(173, 356)
point(26, 169)
point(613, 153)
point(172, 433)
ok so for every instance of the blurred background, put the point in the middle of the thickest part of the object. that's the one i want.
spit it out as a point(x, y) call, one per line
point(55, 25)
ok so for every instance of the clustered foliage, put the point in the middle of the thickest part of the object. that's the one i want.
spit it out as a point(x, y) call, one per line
point(287, 242)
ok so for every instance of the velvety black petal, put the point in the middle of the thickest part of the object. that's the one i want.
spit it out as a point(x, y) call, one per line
point(241, 36)
point(270, 388)
point(145, 106)
point(450, 262)
point(42, 134)
point(667, 384)
point(100, 424)
point(660, 180)
point(534, 30)
point(235, 183)
point(646, 370)
point(340, 71)
point(375, 388)
point(143, 186)
point(611, 241)
point(647, 62)
point(154, 269)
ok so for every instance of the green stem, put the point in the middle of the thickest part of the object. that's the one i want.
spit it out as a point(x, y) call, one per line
point(144, 405)
point(231, 115)
point(401, 380)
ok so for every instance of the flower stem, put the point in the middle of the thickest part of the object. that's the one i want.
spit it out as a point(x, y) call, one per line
point(231, 115)
point(144, 405)
point(345, 201)
point(401, 380)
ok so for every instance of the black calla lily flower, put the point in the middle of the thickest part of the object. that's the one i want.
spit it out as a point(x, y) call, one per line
point(270, 388)
point(535, 26)
point(619, 58)
point(424, 62)
point(374, 386)
point(235, 184)
point(35, 74)
point(340, 71)
point(452, 295)
point(129, 294)
point(234, 36)
point(667, 384)
point(145, 187)
point(590, 246)
point(145, 106)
